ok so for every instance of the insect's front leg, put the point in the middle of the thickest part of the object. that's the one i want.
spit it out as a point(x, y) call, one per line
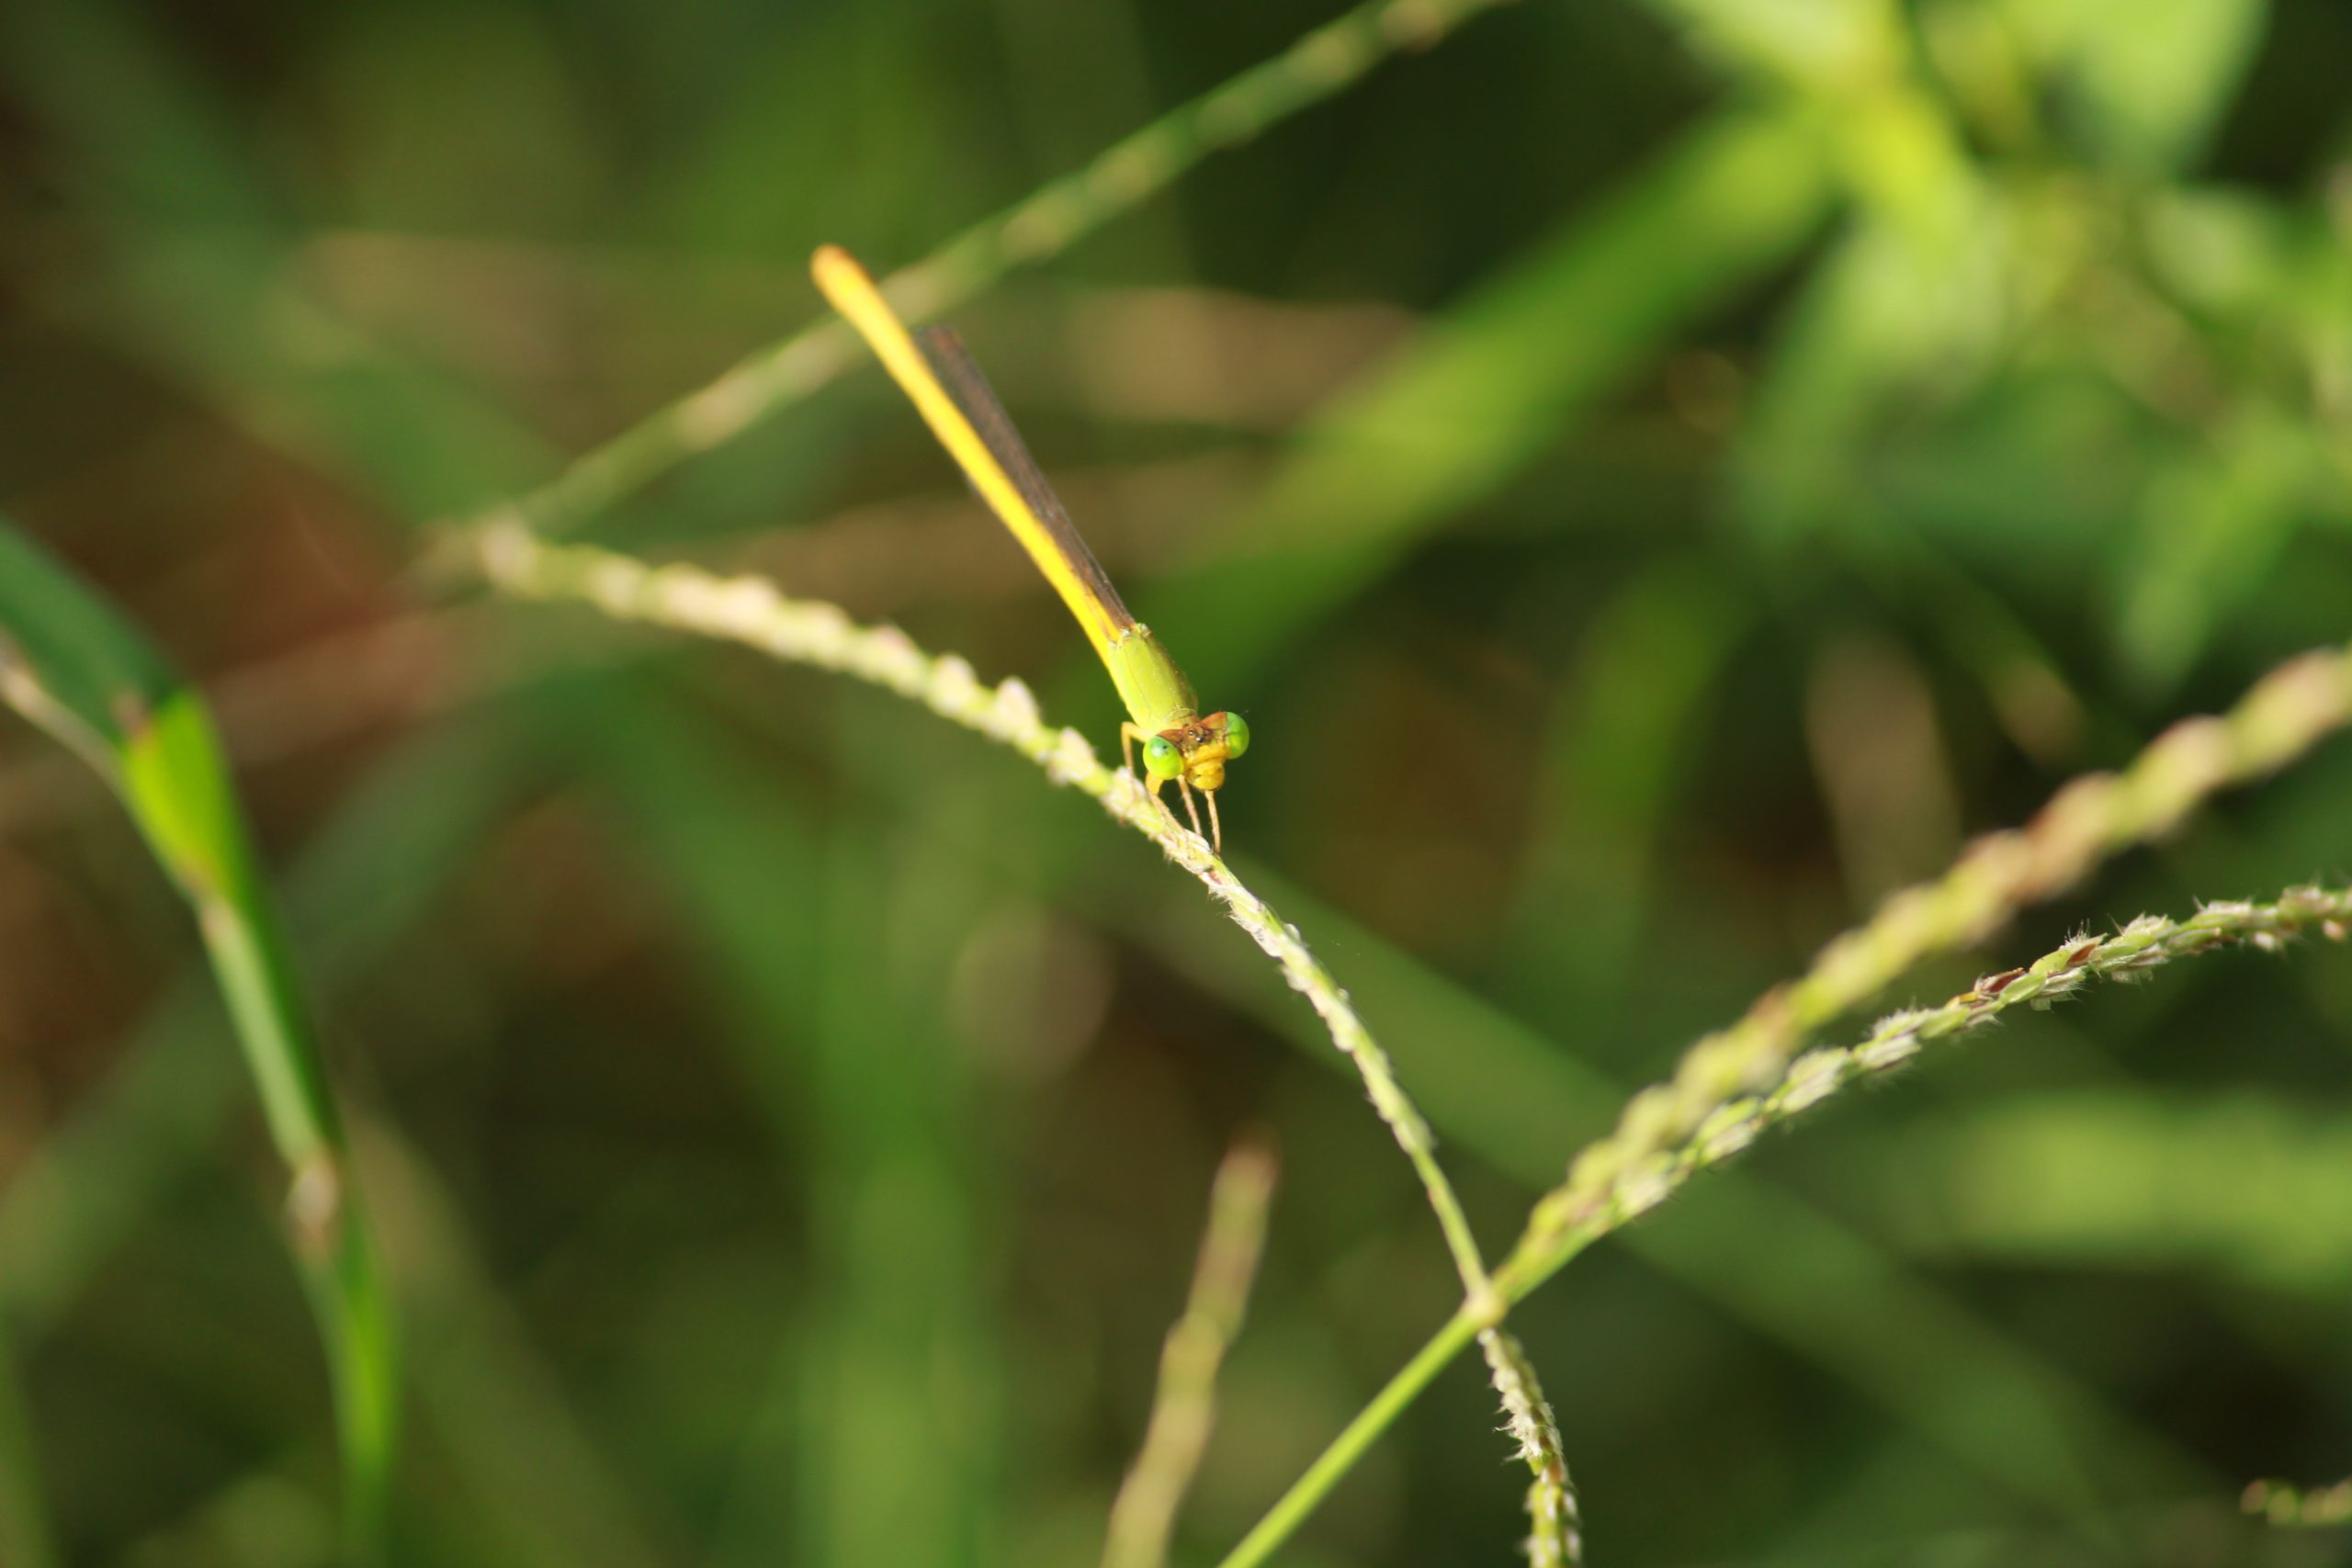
point(1193, 811)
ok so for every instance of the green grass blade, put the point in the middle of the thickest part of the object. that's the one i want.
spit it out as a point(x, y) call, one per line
point(73, 667)
point(1466, 405)
point(64, 661)
point(363, 881)
point(24, 1525)
point(2247, 1187)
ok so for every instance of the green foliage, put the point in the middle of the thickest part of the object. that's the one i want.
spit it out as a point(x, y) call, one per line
point(74, 668)
point(1623, 460)
point(2148, 81)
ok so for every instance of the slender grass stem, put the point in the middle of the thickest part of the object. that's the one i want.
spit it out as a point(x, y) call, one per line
point(1458, 1333)
point(1570, 1217)
point(1129, 171)
point(2284, 1503)
point(1184, 1405)
point(328, 1231)
point(1554, 1531)
point(1555, 1234)
point(2091, 819)
point(749, 610)
point(1660, 1143)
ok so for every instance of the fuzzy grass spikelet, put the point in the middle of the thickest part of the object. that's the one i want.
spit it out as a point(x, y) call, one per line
point(2284, 1502)
point(2092, 818)
point(1183, 1406)
point(1728, 1089)
point(1628, 1174)
point(752, 610)
point(1555, 1537)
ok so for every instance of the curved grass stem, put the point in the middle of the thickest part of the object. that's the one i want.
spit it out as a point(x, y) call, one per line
point(749, 610)
point(1554, 1531)
point(2088, 820)
point(73, 666)
point(1457, 1335)
point(1555, 1234)
point(1732, 1086)
point(1143, 1515)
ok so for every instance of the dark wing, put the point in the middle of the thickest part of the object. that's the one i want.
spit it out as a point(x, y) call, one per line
point(971, 393)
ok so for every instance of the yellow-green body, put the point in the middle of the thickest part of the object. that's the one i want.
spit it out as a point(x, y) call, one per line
point(1157, 694)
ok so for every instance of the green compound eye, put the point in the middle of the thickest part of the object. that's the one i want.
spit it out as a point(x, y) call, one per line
point(1160, 758)
point(1236, 735)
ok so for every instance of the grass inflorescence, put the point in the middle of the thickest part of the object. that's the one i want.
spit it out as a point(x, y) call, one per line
point(1555, 1530)
point(752, 610)
point(1962, 216)
point(1184, 1404)
point(2281, 717)
point(1618, 1181)
point(2284, 1503)
point(1729, 1089)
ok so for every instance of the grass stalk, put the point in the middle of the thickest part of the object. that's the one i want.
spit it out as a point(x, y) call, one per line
point(73, 667)
point(2284, 1503)
point(752, 610)
point(1143, 1515)
point(1555, 1528)
point(2091, 819)
point(1291, 1510)
point(1319, 64)
point(1571, 1216)
point(1669, 1130)
point(1557, 1233)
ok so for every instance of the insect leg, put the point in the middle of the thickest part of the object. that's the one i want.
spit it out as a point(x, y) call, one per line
point(1190, 809)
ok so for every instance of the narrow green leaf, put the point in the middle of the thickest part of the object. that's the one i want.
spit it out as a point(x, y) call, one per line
point(2250, 1186)
point(65, 662)
point(1468, 404)
point(76, 669)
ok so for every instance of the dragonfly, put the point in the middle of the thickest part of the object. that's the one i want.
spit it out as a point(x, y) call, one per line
point(932, 367)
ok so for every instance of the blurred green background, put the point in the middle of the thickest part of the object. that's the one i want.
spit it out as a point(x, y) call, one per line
point(1656, 475)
